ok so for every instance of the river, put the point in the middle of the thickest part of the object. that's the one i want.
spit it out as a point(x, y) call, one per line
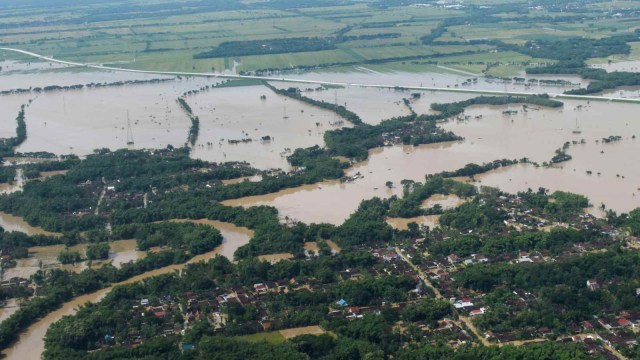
point(31, 343)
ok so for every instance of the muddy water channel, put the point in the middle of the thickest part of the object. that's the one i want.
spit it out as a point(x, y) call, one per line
point(31, 343)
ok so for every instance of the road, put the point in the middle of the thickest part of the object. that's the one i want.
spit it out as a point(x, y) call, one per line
point(318, 82)
point(467, 321)
point(427, 282)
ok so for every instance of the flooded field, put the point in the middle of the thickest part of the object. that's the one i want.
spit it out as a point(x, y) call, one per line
point(622, 65)
point(10, 106)
point(46, 257)
point(40, 74)
point(403, 224)
point(445, 80)
point(444, 201)
point(80, 121)
point(240, 113)
point(534, 134)
point(15, 223)
point(372, 105)
point(333, 201)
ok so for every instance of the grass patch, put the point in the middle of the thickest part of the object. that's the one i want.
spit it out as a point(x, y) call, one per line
point(241, 82)
point(272, 337)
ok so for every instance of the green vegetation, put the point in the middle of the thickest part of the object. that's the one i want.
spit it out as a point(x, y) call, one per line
point(69, 257)
point(272, 46)
point(338, 109)
point(98, 251)
point(7, 174)
point(273, 337)
point(7, 145)
point(194, 130)
point(414, 194)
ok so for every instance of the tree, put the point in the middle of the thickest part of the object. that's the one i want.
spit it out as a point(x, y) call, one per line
point(69, 257)
point(98, 251)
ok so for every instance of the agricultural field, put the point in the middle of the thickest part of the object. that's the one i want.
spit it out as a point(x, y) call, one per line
point(396, 35)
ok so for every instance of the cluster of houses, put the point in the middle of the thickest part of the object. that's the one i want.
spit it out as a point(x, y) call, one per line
point(213, 304)
point(615, 332)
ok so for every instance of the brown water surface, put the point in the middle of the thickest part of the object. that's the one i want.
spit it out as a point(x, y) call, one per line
point(403, 224)
point(239, 113)
point(15, 223)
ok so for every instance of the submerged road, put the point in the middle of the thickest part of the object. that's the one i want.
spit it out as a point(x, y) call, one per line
point(319, 82)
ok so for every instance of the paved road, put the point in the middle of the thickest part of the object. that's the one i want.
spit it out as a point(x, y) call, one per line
point(317, 82)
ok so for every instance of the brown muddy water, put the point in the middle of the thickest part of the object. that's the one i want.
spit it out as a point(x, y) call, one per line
point(443, 80)
point(79, 121)
point(10, 106)
point(445, 201)
point(233, 236)
point(38, 74)
point(535, 134)
point(46, 257)
point(15, 223)
point(31, 343)
point(403, 224)
point(333, 201)
point(621, 64)
point(239, 113)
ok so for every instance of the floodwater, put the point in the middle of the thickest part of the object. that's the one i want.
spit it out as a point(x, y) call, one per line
point(403, 224)
point(46, 257)
point(16, 185)
point(535, 134)
point(623, 65)
point(443, 80)
point(274, 258)
point(8, 310)
point(79, 121)
point(445, 201)
point(39, 74)
point(238, 113)
point(31, 343)
point(233, 236)
point(10, 106)
point(372, 105)
point(19, 180)
point(255, 178)
point(333, 201)
point(15, 223)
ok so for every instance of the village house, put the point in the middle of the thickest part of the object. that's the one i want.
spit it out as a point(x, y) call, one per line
point(592, 284)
